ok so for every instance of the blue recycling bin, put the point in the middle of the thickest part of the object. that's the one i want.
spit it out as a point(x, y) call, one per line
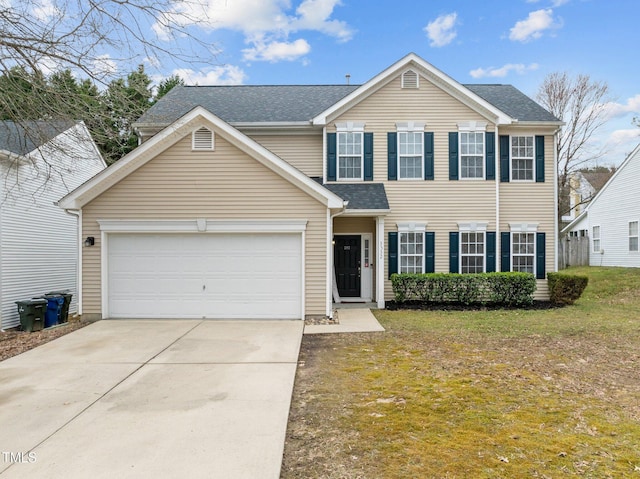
point(54, 306)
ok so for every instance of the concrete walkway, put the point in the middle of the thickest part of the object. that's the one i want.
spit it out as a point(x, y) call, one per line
point(350, 320)
point(161, 399)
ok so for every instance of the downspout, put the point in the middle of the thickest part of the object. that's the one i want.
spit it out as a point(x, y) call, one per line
point(555, 198)
point(330, 217)
point(497, 179)
point(78, 215)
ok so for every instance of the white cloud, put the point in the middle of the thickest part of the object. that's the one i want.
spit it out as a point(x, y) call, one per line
point(503, 71)
point(442, 31)
point(266, 24)
point(104, 65)
point(631, 135)
point(45, 11)
point(277, 51)
point(220, 75)
point(533, 27)
point(615, 110)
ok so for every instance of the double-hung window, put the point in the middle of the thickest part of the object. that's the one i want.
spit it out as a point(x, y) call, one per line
point(350, 155)
point(411, 247)
point(522, 158)
point(523, 252)
point(472, 249)
point(472, 154)
point(410, 154)
point(595, 238)
point(633, 236)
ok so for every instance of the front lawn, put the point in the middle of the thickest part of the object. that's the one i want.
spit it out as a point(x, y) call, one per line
point(481, 394)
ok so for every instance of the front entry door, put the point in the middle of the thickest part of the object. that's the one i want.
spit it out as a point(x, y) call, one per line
point(346, 254)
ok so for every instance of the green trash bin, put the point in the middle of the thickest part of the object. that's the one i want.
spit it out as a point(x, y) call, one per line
point(32, 313)
point(64, 311)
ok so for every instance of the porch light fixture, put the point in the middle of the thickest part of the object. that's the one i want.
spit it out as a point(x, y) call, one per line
point(90, 241)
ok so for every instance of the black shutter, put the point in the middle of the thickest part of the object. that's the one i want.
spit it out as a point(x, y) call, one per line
point(392, 155)
point(392, 247)
point(541, 244)
point(368, 156)
point(428, 155)
point(453, 251)
point(453, 155)
point(504, 158)
point(331, 157)
point(505, 252)
point(539, 159)
point(429, 252)
point(491, 251)
point(490, 155)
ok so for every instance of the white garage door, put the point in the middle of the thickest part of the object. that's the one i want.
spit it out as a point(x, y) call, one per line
point(204, 276)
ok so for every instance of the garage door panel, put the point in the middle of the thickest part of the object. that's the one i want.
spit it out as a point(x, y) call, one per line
point(204, 275)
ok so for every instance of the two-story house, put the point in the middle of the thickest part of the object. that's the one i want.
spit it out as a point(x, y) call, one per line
point(276, 201)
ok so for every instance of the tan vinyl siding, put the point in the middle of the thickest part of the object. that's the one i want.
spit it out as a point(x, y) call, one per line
point(440, 203)
point(531, 202)
point(220, 184)
point(303, 152)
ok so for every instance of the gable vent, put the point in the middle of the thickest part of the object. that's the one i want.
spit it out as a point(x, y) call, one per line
point(202, 139)
point(409, 79)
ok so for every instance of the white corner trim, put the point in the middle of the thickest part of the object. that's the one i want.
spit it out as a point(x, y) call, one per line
point(472, 126)
point(473, 225)
point(201, 225)
point(523, 227)
point(412, 227)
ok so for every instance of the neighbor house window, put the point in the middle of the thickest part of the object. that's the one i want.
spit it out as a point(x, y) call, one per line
point(410, 151)
point(350, 157)
point(411, 252)
point(472, 154)
point(595, 237)
point(522, 157)
point(633, 236)
point(523, 252)
point(472, 247)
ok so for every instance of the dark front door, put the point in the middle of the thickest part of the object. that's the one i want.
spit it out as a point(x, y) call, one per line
point(346, 257)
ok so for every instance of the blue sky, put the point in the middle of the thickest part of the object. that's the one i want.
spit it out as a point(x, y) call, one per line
point(517, 42)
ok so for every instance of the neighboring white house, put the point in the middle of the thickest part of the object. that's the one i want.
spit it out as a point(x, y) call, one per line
point(612, 218)
point(40, 162)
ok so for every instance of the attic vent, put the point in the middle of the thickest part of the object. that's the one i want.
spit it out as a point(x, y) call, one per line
point(409, 79)
point(202, 139)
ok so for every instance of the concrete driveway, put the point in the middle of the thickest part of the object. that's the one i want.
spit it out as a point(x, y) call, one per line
point(151, 398)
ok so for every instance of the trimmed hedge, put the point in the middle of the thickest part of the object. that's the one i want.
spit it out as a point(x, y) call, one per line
point(508, 289)
point(566, 288)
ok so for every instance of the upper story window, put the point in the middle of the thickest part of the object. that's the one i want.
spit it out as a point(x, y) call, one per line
point(350, 155)
point(633, 236)
point(472, 154)
point(410, 151)
point(522, 158)
point(472, 149)
point(202, 139)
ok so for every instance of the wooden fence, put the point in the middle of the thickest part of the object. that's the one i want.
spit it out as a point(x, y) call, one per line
point(573, 251)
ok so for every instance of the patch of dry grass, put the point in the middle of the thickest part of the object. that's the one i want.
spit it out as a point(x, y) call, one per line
point(488, 394)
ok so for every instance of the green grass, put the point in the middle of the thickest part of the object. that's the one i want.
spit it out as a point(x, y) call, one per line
point(482, 394)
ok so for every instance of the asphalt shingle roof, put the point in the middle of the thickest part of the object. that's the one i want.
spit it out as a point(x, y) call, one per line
point(248, 103)
point(24, 137)
point(512, 101)
point(301, 103)
point(361, 196)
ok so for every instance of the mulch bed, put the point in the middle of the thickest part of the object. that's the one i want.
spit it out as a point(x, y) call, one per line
point(431, 306)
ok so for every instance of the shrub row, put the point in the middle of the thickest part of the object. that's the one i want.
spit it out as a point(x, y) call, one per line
point(508, 289)
point(566, 288)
